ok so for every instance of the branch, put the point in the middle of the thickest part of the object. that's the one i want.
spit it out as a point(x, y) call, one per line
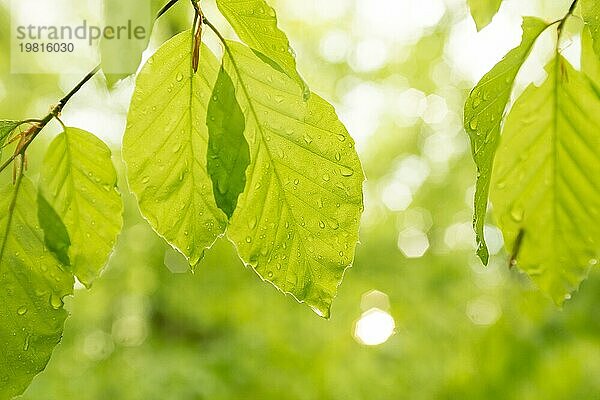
point(38, 124)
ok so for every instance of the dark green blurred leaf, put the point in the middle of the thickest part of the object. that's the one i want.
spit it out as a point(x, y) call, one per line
point(228, 152)
point(56, 236)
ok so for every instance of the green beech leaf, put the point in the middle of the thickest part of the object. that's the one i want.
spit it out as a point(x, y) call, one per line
point(165, 147)
point(590, 10)
point(483, 11)
point(590, 62)
point(79, 181)
point(228, 153)
point(32, 285)
point(255, 22)
point(6, 128)
point(483, 115)
point(297, 221)
point(56, 236)
point(547, 181)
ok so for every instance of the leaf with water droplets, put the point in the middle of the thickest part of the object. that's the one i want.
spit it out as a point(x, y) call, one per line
point(546, 180)
point(303, 198)
point(80, 182)
point(31, 324)
point(483, 115)
point(255, 22)
point(165, 147)
point(483, 11)
point(228, 153)
point(590, 11)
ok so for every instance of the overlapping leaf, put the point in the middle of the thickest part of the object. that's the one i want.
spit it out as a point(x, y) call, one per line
point(228, 153)
point(165, 147)
point(255, 22)
point(483, 115)
point(32, 285)
point(297, 221)
point(547, 180)
point(483, 11)
point(6, 128)
point(79, 181)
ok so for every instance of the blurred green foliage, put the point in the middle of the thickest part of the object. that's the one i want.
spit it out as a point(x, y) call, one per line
point(462, 331)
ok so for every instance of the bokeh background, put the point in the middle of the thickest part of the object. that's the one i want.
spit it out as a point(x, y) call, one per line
point(417, 317)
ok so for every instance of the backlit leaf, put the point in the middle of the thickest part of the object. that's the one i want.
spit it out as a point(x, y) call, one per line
point(32, 285)
point(484, 111)
point(590, 10)
point(79, 181)
point(255, 22)
point(165, 147)
point(297, 221)
point(56, 236)
point(546, 180)
point(6, 128)
point(483, 11)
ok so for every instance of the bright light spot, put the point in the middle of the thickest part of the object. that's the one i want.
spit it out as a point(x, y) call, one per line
point(483, 311)
point(176, 262)
point(436, 110)
point(493, 238)
point(412, 171)
point(396, 196)
point(402, 21)
point(374, 299)
point(460, 236)
point(370, 55)
point(361, 111)
point(374, 327)
point(411, 104)
point(334, 46)
point(413, 243)
point(130, 331)
point(98, 345)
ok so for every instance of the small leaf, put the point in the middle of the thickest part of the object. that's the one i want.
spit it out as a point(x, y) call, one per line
point(32, 285)
point(255, 22)
point(484, 111)
point(165, 147)
point(546, 180)
point(6, 128)
point(297, 221)
point(483, 11)
point(80, 182)
point(228, 152)
point(590, 10)
point(56, 236)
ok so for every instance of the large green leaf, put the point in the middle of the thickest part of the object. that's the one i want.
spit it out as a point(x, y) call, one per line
point(546, 180)
point(165, 147)
point(80, 182)
point(255, 22)
point(484, 111)
point(32, 285)
point(297, 221)
point(6, 128)
point(590, 10)
point(483, 11)
point(228, 153)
